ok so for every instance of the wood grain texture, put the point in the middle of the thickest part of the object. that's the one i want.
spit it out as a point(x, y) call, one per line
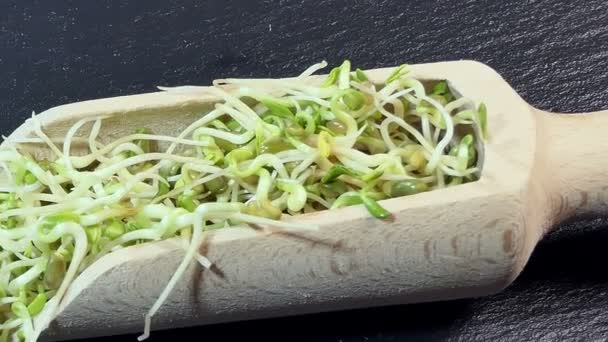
point(552, 52)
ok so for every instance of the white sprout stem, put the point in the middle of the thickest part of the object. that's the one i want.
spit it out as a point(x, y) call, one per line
point(80, 247)
point(312, 69)
point(363, 158)
point(200, 215)
point(264, 185)
point(304, 165)
point(391, 118)
point(27, 276)
point(311, 99)
point(394, 96)
point(192, 185)
point(69, 138)
point(436, 136)
point(6, 173)
point(233, 138)
point(110, 170)
point(12, 324)
point(44, 137)
point(8, 300)
point(22, 189)
point(426, 127)
point(319, 199)
point(263, 160)
point(10, 245)
point(463, 101)
point(243, 119)
point(82, 161)
point(92, 140)
point(443, 143)
point(234, 196)
point(439, 177)
point(353, 164)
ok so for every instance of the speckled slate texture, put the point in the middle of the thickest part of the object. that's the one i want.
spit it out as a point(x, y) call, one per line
point(554, 53)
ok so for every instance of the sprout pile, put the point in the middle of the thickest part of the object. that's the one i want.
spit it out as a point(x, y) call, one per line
point(269, 148)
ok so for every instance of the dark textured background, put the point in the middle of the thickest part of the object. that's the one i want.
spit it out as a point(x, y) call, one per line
point(554, 53)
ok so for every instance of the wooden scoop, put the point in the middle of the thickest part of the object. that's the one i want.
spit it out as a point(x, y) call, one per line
point(470, 240)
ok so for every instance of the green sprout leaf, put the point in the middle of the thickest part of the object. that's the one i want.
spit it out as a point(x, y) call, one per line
point(331, 78)
point(374, 208)
point(483, 119)
point(336, 171)
point(344, 76)
point(399, 72)
point(360, 76)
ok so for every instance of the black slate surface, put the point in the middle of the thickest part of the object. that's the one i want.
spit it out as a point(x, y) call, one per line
point(554, 53)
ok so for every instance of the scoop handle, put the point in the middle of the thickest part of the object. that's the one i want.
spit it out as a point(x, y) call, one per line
point(573, 149)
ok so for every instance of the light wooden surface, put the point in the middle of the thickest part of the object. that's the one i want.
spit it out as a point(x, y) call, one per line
point(465, 241)
point(576, 162)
